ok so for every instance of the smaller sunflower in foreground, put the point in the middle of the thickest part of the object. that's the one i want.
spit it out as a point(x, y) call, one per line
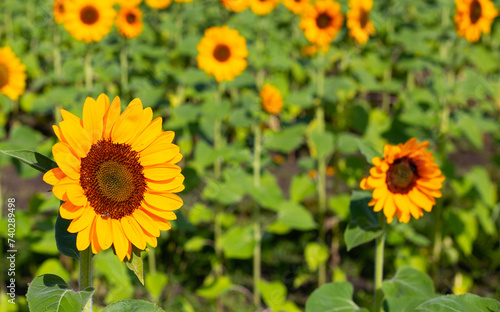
point(296, 6)
point(358, 20)
point(322, 22)
point(474, 17)
point(235, 5)
point(12, 74)
point(129, 22)
point(158, 4)
point(272, 101)
point(58, 10)
point(89, 20)
point(263, 7)
point(117, 176)
point(222, 53)
point(405, 182)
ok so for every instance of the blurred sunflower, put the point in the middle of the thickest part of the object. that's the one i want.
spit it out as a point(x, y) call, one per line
point(263, 7)
point(222, 53)
point(358, 20)
point(128, 3)
point(296, 6)
point(313, 49)
point(406, 181)
point(474, 17)
point(158, 4)
point(129, 22)
point(116, 176)
point(89, 20)
point(58, 10)
point(235, 5)
point(322, 22)
point(183, 1)
point(271, 99)
point(12, 74)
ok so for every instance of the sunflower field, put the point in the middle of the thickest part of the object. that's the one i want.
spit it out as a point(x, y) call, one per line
point(250, 155)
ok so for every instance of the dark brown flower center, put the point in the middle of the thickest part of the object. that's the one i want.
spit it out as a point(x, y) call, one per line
point(4, 76)
point(401, 176)
point(112, 179)
point(323, 20)
point(61, 7)
point(222, 52)
point(364, 16)
point(475, 11)
point(131, 18)
point(89, 15)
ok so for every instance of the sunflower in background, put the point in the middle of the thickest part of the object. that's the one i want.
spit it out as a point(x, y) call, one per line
point(263, 7)
point(474, 17)
point(129, 22)
point(116, 175)
point(12, 74)
point(322, 22)
point(235, 5)
point(183, 1)
point(128, 3)
point(158, 4)
point(222, 53)
point(358, 20)
point(58, 10)
point(271, 98)
point(405, 182)
point(89, 20)
point(296, 6)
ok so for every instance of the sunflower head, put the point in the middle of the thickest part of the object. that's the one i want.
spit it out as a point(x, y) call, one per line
point(117, 176)
point(58, 10)
point(322, 22)
point(263, 7)
point(235, 5)
point(12, 74)
point(89, 20)
point(272, 102)
point(158, 4)
point(128, 3)
point(129, 22)
point(358, 20)
point(222, 53)
point(405, 182)
point(474, 17)
point(296, 6)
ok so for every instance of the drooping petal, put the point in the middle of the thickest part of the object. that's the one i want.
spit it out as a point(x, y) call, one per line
point(104, 232)
point(120, 241)
point(133, 232)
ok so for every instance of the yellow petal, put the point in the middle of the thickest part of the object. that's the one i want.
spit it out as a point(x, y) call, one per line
point(163, 224)
point(420, 199)
point(163, 201)
point(148, 136)
point(168, 185)
point(83, 239)
point(389, 209)
point(59, 134)
point(76, 195)
point(82, 222)
point(120, 241)
point(147, 116)
point(150, 239)
point(93, 114)
point(66, 160)
point(158, 154)
point(53, 176)
point(146, 222)
point(60, 188)
point(69, 211)
point(161, 172)
point(111, 116)
point(124, 128)
point(133, 232)
point(104, 232)
point(77, 137)
point(70, 117)
point(164, 214)
point(94, 241)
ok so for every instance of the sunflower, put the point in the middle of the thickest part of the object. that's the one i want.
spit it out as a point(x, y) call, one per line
point(271, 99)
point(58, 10)
point(183, 1)
point(89, 20)
point(128, 3)
point(296, 6)
point(12, 74)
point(358, 20)
point(117, 176)
point(235, 5)
point(129, 22)
point(322, 22)
point(406, 181)
point(222, 53)
point(263, 7)
point(158, 4)
point(474, 17)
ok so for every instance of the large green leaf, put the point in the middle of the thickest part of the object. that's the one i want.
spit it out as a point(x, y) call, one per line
point(238, 242)
point(301, 187)
point(323, 143)
point(295, 216)
point(368, 150)
point(66, 241)
point(33, 159)
point(132, 306)
point(465, 302)
point(214, 288)
point(333, 297)
point(364, 226)
point(315, 255)
point(49, 292)
point(286, 140)
point(155, 282)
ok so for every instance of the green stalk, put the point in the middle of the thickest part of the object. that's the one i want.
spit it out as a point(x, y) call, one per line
point(152, 261)
point(379, 266)
point(88, 70)
point(124, 67)
point(57, 52)
point(86, 274)
point(386, 96)
point(256, 218)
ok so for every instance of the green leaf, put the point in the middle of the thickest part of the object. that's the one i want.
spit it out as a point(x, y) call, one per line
point(66, 241)
point(368, 150)
point(333, 297)
point(295, 216)
point(52, 266)
point(301, 187)
point(195, 244)
point(269, 195)
point(315, 254)
point(216, 288)
point(200, 213)
point(273, 293)
point(465, 302)
point(115, 273)
point(364, 226)
point(340, 205)
point(135, 265)
point(50, 293)
point(286, 140)
point(238, 242)
point(33, 159)
point(481, 180)
point(323, 143)
point(132, 306)
point(155, 282)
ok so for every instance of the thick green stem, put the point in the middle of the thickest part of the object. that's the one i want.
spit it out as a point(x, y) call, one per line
point(379, 266)
point(88, 70)
point(124, 68)
point(152, 261)
point(86, 274)
point(256, 215)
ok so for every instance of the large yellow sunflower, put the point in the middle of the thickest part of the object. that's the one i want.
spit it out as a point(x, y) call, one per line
point(12, 74)
point(222, 53)
point(263, 7)
point(406, 181)
point(322, 22)
point(89, 20)
point(474, 17)
point(358, 20)
point(272, 101)
point(129, 22)
point(235, 5)
point(58, 10)
point(296, 6)
point(117, 176)
point(158, 4)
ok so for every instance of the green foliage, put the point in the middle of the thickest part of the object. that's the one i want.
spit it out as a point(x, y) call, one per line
point(466, 302)
point(132, 305)
point(364, 226)
point(333, 297)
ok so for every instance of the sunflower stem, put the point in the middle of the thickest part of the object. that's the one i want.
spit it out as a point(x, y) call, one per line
point(57, 52)
point(379, 266)
point(124, 67)
point(86, 274)
point(256, 216)
point(152, 261)
point(88, 69)
point(386, 96)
